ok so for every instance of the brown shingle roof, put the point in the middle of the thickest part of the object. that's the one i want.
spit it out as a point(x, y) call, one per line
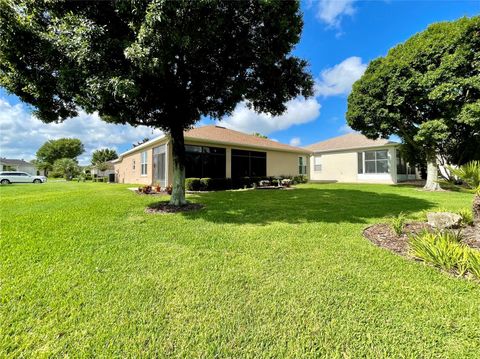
point(224, 135)
point(348, 141)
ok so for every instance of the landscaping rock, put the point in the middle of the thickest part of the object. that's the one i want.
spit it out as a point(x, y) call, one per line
point(444, 220)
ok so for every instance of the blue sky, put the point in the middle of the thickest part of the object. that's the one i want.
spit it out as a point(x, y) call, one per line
point(339, 38)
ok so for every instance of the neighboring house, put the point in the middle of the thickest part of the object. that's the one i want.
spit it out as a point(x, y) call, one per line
point(355, 158)
point(211, 151)
point(96, 172)
point(7, 164)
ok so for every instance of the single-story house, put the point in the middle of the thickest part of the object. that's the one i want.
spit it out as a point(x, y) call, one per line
point(109, 169)
point(214, 152)
point(7, 164)
point(356, 158)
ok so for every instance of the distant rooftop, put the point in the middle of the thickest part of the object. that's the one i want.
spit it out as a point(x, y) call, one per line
point(14, 162)
point(348, 141)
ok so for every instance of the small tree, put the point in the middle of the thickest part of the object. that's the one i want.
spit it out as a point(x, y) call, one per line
point(66, 167)
point(426, 91)
point(162, 64)
point(103, 155)
point(53, 150)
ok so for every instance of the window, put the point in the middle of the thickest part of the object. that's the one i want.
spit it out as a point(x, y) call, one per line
point(133, 165)
point(205, 162)
point(143, 163)
point(373, 162)
point(302, 165)
point(317, 163)
point(249, 164)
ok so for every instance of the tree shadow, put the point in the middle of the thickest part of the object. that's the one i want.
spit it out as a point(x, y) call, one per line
point(303, 205)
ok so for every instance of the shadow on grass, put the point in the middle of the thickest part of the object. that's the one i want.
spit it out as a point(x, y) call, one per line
point(303, 205)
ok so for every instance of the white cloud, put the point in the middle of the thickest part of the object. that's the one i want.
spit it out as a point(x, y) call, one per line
point(295, 141)
point(346, 129)
point(331, 12)
point(338, 80)
point(22, 133)
point(299, 111)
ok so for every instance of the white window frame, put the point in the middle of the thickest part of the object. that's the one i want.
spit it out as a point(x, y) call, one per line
point(375, 160)
point(144, 163)
point(317, 164)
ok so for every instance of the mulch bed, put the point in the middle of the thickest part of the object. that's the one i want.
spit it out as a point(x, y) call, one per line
point(383, 236)
point(165, 207)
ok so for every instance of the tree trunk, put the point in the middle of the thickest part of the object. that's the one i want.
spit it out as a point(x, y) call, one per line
point(432, 175)
point(178, 151)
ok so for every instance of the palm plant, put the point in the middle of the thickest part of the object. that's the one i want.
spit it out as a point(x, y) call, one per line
point(470, 174)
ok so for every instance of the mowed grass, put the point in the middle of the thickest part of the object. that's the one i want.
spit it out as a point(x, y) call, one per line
point(84, 272)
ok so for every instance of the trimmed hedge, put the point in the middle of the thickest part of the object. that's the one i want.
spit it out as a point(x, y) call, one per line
point(221, 184)
point(192, 184)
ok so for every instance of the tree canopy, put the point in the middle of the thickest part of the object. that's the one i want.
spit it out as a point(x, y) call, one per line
point(103, 155)
point(53, 150)
point(426, 91)
point(162, 64)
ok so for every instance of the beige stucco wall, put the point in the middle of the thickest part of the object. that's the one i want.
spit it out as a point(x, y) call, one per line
point(278, 163)
point(124, 168)
point(125, 172)
point(342, 166)
point(284, 163)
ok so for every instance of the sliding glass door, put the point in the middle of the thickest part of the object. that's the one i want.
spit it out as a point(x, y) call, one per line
point(160, 165)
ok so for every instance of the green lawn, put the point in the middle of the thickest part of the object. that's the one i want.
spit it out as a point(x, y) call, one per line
point(85, 272)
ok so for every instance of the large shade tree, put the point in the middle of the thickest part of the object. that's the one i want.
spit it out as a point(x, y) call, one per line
point(53, 150)
point(426, 91)
point(157, 63)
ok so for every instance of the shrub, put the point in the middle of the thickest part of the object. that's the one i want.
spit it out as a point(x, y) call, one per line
point(220, 184)
point(192, 184)
point(474, 263)
point(242, 182)
point(441, 249)
point(145, 189)
point(299, 179)
point(206, 184)
point(469, 173)
point(398, 223)
point(467, 216)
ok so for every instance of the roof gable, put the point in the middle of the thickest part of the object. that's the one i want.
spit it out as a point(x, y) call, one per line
point(349, 141)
